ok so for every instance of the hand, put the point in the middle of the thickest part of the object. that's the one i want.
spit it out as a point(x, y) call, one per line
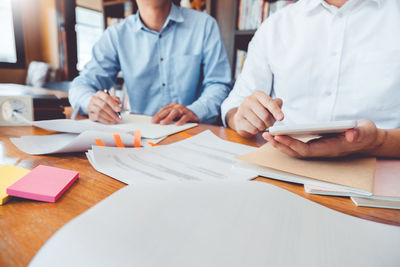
point(172, 112)
point(103, 107)
point(362, 139)
point(257, 112)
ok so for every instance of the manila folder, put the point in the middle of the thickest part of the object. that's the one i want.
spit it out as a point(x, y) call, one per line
point(354, 172)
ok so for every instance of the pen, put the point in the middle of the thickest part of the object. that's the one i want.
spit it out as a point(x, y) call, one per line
point(108, 93)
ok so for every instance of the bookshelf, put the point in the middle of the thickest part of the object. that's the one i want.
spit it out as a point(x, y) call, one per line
point(237, 38)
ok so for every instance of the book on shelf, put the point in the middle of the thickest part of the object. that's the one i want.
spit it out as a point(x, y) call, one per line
point(240, 58)
point(250, 14)
point(253, 12)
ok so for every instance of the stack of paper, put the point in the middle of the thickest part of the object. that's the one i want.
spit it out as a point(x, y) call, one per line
point(215, 225)
point(386, 190)
point(204, 157)
point(355, 175)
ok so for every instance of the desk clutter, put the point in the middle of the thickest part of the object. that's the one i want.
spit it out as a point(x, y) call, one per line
point(194, 196)
point(43, 183)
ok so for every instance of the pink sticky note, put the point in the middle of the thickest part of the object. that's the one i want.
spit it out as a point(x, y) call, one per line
point(43, 183)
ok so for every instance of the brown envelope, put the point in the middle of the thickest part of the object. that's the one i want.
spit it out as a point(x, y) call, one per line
point(354, 172)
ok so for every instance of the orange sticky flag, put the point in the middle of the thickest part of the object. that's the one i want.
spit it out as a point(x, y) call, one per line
point(152, 144)
point(186, 135)
point(137, 136)
point(99, 142)
point(118, 141)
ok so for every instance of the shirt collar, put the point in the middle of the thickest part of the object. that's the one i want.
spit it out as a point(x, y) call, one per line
point(313, 4)
point(175, 15)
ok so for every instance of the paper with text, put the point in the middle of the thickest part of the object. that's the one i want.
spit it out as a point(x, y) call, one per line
point(204, 157)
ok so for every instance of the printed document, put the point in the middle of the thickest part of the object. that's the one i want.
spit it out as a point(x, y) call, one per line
point(204, 157)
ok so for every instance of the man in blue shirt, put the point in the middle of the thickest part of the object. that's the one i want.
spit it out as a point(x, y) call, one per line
point(173, 61)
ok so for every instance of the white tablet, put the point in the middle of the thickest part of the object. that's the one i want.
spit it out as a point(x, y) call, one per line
point(313, 129)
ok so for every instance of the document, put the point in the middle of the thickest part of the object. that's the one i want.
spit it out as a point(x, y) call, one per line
point(386, 189)
point(352, 174)
point(204, 157)
point(130, 122)
point(217, 225)
point(68, 142)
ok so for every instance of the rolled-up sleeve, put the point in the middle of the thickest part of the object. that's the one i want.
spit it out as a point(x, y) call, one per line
point(99, 73)
point(256, 74)
point(216, 83)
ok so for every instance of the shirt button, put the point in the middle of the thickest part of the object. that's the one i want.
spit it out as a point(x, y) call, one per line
point(339, 14)
point(334, 53)
point(328, 93)
point(160, 36)
point(161, 59)
point(163, 84)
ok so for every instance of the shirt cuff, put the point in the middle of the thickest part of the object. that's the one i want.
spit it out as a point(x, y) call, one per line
point(199, 110)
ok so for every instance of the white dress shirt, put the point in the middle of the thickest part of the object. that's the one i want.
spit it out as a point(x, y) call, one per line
point(327, 63)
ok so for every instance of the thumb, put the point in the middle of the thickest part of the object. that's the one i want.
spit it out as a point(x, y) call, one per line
point(352, 135)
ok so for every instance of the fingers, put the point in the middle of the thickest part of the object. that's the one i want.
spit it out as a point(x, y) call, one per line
point(272, 105)
point(161, 114)
point(284, 149)
point(257, 113)
point(103, 108)
point(172, 112)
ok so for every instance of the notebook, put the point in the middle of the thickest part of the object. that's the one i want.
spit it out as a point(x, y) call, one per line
point(43, 183)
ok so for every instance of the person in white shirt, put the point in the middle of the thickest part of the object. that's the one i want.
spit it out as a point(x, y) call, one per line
point(323, 60)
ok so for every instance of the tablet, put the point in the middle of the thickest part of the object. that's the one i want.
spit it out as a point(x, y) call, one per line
point(313, 129)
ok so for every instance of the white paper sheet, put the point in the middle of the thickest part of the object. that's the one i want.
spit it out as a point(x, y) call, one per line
point(68, 142)
point(130, 122)
point(216, 225)
point(204, 157)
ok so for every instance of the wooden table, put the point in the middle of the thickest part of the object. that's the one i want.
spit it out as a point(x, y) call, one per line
point(26, 225)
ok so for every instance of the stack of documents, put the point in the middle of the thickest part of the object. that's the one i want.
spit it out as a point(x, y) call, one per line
point(367, 181)
point(204, 157)
point(386, 189)
point(80, 135)
point(355, 175)
point(216, 225)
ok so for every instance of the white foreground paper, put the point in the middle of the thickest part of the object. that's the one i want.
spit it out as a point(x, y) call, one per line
point(204, 157)
point(216, 225)
point(130, 122)
point(67, 142)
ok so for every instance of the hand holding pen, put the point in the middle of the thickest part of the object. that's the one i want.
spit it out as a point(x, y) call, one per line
point(105, 108)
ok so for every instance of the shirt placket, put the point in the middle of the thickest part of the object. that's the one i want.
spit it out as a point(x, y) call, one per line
point(162, 68)
point(335, 53)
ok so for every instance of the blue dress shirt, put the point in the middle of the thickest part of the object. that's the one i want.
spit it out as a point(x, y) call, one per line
point(185, 63)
